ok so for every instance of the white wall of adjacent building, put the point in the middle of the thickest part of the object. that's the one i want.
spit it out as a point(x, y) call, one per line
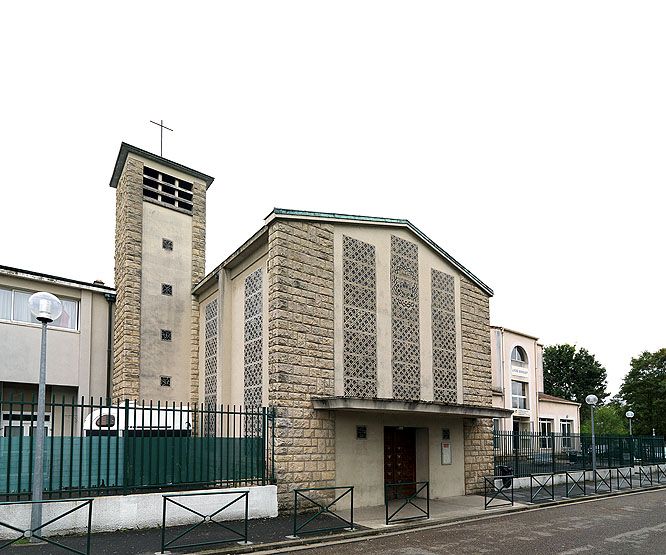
point(517, 368)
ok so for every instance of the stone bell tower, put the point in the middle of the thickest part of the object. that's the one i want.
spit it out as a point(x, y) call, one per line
point(159, 257)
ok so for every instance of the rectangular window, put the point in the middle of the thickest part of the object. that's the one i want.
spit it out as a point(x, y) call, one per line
point(166, 335)
point(167, 289)
point(70, 315)
point(14, 306)
point(167, 244)
point(21, 311)
point(566, 426)
point(518, 395)
point(165, 381)
point(545, 433)
point(5, 304)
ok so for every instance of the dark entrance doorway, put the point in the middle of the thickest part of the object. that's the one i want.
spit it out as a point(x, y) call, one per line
point(399, 459)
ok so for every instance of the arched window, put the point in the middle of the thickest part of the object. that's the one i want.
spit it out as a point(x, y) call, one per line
point(519, 356)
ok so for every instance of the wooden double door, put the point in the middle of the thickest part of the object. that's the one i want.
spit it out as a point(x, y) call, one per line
point(399, 459)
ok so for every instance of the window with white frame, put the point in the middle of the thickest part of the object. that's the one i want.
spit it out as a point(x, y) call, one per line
point(15, 424)
point(519, 357)
point(566, 427)
point(14, 308)
point(546, 433)
point(518, 395)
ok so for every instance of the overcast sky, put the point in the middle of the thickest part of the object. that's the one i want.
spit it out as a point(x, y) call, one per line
point(528, 139)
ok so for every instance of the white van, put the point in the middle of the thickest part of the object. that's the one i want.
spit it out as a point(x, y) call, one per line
point(139, 420)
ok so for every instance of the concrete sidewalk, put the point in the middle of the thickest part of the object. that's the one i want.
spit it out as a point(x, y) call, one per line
point(451, 508)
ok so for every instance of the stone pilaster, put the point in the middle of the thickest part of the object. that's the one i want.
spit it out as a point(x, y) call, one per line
point(198, 272)
point(475, 319)
point(127, 321)
point(300, 359)
point(478, 453)
point(477, 382)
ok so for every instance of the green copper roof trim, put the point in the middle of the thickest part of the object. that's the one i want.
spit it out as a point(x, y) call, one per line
point(387, 221)
point(334, 216)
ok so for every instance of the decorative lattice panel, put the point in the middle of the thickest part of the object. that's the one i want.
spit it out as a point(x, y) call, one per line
point(359, 318)
point(210, 360)
point(406, 360)
point(444, 372)
point(253, 353)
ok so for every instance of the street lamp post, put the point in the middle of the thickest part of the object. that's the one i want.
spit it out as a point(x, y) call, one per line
point(45, 308)
point(592, 400)
point(629, 414)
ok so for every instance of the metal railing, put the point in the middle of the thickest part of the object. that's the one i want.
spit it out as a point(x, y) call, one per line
point(624, 477)
point(492, 492)
point(644, 475)
point(323, 507)
point(542, 484)
point(602, 479)
point(661, 473)
point(576, 483)
point(239, 536)
point(38, 532)
point(101, 448)
point(407, 495)
point(526, 453)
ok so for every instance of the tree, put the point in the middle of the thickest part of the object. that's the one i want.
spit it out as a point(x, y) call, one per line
point(608, 420)
point(573, 374)
point(644, 390)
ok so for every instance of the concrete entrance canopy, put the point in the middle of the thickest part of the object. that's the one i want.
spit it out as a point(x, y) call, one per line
point(418, 407)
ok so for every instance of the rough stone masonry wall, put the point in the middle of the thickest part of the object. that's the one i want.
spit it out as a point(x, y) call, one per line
point(198, 272)
point(477, 383)
point(300, 353)
point(127, 321)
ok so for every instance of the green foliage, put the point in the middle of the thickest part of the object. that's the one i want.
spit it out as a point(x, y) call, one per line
point(608, 420)
point(573, 374)
point(644, 390)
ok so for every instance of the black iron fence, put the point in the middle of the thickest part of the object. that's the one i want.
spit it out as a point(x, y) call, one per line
point(524, 453)
point(100, 448)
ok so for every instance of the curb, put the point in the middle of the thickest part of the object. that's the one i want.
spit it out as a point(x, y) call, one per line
point(421, 525)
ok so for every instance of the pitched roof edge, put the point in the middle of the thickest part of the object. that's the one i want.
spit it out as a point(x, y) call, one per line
point(278, 213)
point(215, 271)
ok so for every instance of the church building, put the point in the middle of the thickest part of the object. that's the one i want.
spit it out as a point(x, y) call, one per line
point(371, 343)
point(370, 340)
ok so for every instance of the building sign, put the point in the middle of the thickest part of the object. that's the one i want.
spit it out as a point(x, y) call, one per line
point(522, 412)
point(520, 372)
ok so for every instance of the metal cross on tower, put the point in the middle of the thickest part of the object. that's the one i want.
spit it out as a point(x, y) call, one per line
point(162, 128)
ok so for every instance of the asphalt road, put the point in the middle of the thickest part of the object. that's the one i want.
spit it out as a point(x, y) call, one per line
point(625, 525)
